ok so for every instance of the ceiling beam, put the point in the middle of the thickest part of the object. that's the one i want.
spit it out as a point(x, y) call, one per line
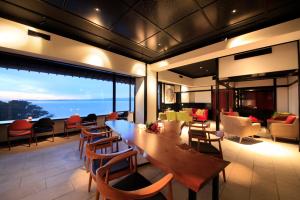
point(278, 34)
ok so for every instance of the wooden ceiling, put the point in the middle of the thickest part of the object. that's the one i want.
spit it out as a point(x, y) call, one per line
point(150, 30)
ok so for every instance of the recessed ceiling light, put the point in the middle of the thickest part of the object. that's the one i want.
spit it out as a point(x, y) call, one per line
point(201, 67)
point(158, 44)
point(97, 9)
point(207, 70)
point(233, 11)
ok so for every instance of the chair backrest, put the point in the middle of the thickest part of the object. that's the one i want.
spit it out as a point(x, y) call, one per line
point(19, 125)
point(112, 116)
point(108, 192)
point(74, 119)
point(90, 118)
point(44, 122)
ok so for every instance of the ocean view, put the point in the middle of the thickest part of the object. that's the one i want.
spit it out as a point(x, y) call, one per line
point(65, 108)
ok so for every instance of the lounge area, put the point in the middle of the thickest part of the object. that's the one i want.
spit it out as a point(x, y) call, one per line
point(176, 100)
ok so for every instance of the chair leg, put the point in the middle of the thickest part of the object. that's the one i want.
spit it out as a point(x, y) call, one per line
point(35, 140)
point(241, 139)
point(9, 145)
point(90, 183)
point(81, 149)
point(79, 146)
point(97, 195)
point(30, 138)
point(224, 175)
point(53, 135)
point(274, 139)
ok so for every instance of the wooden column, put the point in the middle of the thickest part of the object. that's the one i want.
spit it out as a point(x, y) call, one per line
point(298, 86)
point(274, 95)
point(217, 99)
point(145, 94)
point(114, 93)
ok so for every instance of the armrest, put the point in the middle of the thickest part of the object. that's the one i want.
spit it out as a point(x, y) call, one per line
point(104, 141)
point(121, 156)
point(100, 133)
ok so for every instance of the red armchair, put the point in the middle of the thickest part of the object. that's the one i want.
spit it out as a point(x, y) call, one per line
point(200, 114)
point(73, 122)
point(19, 128)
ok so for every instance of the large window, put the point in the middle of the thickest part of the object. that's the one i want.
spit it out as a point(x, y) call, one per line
point(26, 94)
point(122, 97)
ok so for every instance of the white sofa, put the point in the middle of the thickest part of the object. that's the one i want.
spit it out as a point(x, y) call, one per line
point(283, 130)
point(239, 126)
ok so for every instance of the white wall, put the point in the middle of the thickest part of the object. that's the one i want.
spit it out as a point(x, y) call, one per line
point(203, 97)
point(139, 100)
point(151, 95)
point(282, 99)
point(171, 77)
point(257, 83)
point(185, 97)
point(283, 57)
point(294, 99)
point(14, 38)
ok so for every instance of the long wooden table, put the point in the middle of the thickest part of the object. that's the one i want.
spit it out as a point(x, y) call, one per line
point(163, 150)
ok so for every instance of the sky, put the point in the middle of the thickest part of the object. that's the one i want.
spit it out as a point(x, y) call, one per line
point(24, 85)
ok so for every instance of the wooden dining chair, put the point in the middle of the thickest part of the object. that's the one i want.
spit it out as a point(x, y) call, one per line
point(203, 144)
point(95, 159)
point(93, 134)
point(73, 122)
point(19, 128)
point(90, 120)
point(112, 116)
point(43, 125)
point(134, 185)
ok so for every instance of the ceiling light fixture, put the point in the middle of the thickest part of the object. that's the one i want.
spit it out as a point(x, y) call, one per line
point(97, 9)
point(201, 67)
point(158, 44)
point(233, 11)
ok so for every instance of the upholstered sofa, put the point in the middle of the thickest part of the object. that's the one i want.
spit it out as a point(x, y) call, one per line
point(239, 126)
point(283, 130)
point(179, 116)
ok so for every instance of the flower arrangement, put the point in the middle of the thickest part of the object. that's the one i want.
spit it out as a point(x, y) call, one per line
point(153, 127)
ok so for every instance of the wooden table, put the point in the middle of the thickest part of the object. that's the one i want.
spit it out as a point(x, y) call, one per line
point(163, 150)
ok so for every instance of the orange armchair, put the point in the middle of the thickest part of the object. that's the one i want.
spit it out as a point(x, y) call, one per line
point(73, 122)
point(112, 116)
point(19, 128)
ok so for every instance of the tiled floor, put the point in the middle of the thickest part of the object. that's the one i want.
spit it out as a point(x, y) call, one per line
point(259, 169)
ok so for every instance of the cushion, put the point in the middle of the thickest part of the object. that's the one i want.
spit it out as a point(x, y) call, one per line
point(124, 164)
point(290, 119)
point(200, 112)
point(42, 129)
point(136, 181)
point(19, 133)
point(253, 119)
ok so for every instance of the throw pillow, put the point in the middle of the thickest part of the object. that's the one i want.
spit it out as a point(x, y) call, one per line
point(253, 119)
point(200, 112)
point(290, 119)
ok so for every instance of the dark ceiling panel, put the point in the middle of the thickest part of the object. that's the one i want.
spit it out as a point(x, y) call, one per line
point(59, 3)
point(141, 29)
point(197, 70)
point(130, 2)
point(224, 13)
point(190, 27)
point(204, 3)
point(166, 12)
point(101, 12)
point(160, 42)
point(135, 27)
